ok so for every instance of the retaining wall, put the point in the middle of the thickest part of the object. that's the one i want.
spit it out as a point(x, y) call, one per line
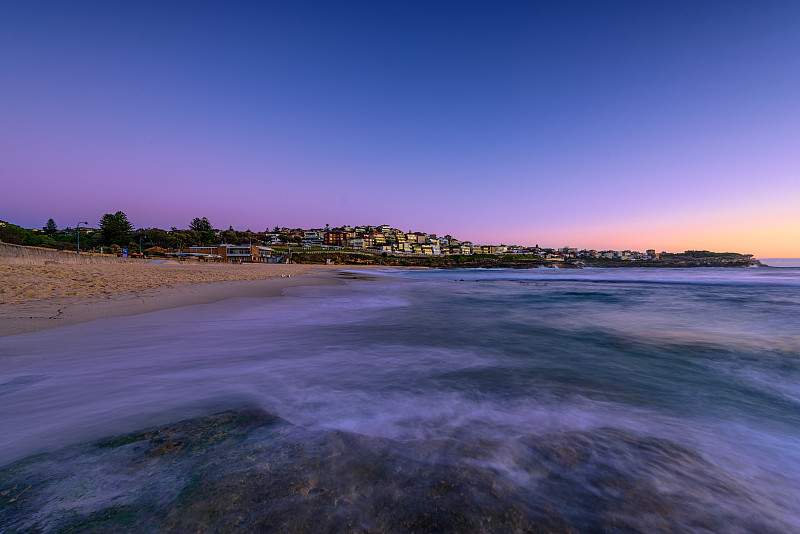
point(20, 255)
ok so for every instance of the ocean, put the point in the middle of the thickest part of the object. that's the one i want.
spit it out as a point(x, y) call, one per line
point(552, 400)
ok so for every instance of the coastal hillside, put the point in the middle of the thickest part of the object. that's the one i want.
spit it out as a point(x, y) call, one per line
point(520, 261)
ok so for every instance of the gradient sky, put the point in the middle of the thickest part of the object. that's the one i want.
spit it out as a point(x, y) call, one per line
point(621, 124)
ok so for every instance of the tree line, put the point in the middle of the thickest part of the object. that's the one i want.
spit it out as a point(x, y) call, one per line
point(117, 232)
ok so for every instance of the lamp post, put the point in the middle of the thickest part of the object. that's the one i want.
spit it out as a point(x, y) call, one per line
point(78, 229)
point(140, 243)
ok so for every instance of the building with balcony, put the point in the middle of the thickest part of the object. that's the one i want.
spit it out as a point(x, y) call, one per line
point(312, 237)
point(233, 253)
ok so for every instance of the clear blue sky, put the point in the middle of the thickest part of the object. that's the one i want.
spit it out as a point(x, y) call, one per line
point(664, 125)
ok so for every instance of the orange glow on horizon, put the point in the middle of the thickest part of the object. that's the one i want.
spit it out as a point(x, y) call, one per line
point(764, 236)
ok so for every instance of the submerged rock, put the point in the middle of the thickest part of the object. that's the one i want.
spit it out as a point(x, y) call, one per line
point(248, 471)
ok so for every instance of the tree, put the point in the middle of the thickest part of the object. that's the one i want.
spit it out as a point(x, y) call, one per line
point(204, 229)
point(228, 236)
point(50, 228)
point(200, 225)
point(157, 237)
point(115, 229)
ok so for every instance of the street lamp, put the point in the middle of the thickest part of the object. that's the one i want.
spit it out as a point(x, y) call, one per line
point(140, 243)
point(78, 229)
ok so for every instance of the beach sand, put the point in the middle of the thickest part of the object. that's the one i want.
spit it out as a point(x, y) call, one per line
point(34, 297)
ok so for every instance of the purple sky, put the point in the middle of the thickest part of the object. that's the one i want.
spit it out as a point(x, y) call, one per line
point(669, 125)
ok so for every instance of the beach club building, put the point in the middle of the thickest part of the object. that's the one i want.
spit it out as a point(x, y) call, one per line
point(236, 253)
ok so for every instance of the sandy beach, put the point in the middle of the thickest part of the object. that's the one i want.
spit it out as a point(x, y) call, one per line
point(34, 297)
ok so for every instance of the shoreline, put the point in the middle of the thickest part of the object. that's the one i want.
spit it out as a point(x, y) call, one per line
point(320, 407)
point(33, 311)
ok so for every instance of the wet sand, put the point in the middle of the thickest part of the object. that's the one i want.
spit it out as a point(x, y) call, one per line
point(35, 297)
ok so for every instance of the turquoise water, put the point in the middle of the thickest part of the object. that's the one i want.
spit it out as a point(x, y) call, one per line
point(585, 389)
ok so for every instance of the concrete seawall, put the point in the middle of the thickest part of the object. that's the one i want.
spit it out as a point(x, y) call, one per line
point(20, 255)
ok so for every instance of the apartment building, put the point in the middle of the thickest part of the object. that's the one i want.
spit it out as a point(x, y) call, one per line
point(335, 238)
point(313, 237)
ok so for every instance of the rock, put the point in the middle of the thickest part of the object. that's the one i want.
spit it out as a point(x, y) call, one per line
point(247, 470)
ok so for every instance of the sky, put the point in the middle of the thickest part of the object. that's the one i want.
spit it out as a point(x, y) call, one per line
point(607, 125)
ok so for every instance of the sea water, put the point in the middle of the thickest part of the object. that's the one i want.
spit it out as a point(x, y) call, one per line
point(577, 386)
